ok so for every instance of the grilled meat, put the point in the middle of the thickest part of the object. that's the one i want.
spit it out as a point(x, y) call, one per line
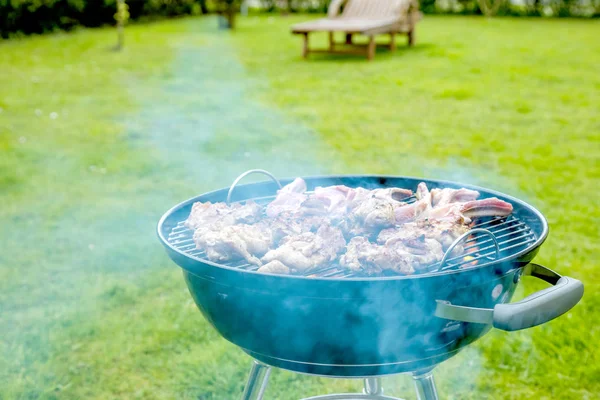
point(336, 202)
point(396, 194)
point(204, 214)
point(374, 213)
point(410, 212)
point(288, 199)
point(287, 224)
point(230, 242)
point(441, 197)
point(449, 212)
point(304, 231)
point(443, 231)
point(492, 207)
point(335, 199)
point(400, 256)
point(308, 250)
point(274, 267)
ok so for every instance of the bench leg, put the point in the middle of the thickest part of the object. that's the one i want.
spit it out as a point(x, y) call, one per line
point(348, 38)
point(305, 45)
point(331, 42)
point(411, 37)
point(371, 48)
point(392, 41)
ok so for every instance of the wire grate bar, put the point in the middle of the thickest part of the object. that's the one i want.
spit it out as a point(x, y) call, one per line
point(495, 219)
point(485, 255)
point(526, 230)
point(500, 244)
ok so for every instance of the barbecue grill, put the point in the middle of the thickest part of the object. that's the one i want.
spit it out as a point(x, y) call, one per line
point(331, 322)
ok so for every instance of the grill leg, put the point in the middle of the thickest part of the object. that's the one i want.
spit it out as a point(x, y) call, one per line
point(257, 381)
point(425, 386)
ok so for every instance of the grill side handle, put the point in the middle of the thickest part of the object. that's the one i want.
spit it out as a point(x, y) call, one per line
point(536, 309)
point(249, 172)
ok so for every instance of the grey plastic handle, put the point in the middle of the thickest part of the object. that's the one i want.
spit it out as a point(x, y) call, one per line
point(533, 310)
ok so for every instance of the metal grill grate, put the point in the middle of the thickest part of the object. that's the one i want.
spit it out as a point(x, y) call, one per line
point(511, 234)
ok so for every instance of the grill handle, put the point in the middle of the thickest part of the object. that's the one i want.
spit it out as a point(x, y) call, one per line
point(533, 310)
point(249, 172)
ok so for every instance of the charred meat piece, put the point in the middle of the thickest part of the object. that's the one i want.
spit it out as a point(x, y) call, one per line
point(224, 243)
point(204, 214)
point(308, 250)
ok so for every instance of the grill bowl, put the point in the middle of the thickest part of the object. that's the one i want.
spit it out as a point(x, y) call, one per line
point(353, 326)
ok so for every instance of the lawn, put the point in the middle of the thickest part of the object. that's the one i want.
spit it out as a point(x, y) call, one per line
point(96, 145)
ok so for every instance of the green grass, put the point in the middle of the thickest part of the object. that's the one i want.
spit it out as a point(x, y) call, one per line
point(95, 145)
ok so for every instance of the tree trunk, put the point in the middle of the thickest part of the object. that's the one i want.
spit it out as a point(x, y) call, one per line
point(120, 25)
point(489, 8)
point(203, 6)
point(230, 14)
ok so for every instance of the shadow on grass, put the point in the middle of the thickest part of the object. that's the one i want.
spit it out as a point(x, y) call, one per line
point(382, 53)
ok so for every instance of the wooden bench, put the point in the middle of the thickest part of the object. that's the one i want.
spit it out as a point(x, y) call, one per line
point(365, 17)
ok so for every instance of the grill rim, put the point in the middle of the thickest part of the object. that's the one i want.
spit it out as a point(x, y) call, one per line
point(531, 248)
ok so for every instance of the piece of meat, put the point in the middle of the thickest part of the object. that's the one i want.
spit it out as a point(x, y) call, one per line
point(371, 210)
point(335, 200)
point(224, 243)
point(247, 213)
point(287, 224)
point(356, 196)
point(450, 212)
point(374, 213)
point(443, 231)
point(403, 257)
point(288, 199)
point(491, 207)
point(441, 197)
point(364, 256)
point(207, 213)
point(451, 207)
point(308, 250)
point(274, 267)
point(410, 212)
point(397, 194)
point(426, 250)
